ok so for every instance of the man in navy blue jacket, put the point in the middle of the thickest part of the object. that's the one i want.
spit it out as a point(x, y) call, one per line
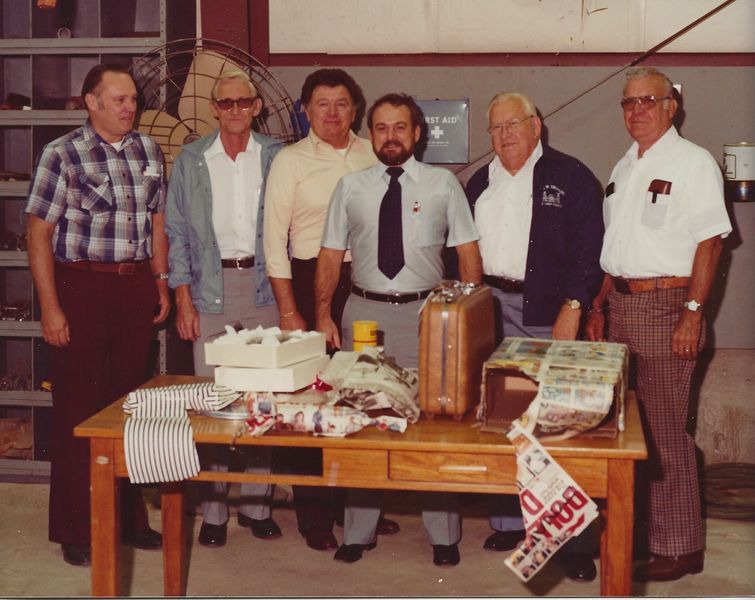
point(539, 215)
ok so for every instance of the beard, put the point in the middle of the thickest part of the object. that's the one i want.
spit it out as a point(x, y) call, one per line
point(388, 154)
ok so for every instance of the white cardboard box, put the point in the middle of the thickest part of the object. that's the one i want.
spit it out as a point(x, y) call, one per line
point(285, 379)
point(264, 357)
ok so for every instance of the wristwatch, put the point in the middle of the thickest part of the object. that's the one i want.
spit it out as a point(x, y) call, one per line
point(161, 276)
point(693, 305)
point(574, 304)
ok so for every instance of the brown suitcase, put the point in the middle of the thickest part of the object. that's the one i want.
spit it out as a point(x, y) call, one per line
point(456, 336)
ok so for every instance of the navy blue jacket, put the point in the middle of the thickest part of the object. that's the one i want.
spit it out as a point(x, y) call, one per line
point(566, 235)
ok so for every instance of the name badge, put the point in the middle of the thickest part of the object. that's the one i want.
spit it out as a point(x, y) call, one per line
point(151, 171)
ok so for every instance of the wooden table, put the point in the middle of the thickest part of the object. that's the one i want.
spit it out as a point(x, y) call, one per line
point(432, 455)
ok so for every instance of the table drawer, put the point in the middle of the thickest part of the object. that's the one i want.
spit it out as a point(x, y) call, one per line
point(452, 467)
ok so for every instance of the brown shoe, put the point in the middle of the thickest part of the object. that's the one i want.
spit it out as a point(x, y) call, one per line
point(321, 540)
point(670, 568)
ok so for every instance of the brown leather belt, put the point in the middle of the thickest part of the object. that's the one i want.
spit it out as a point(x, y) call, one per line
point(392, 298)
point(247, 262)
point(119, 268)
point(635, 286)
point(510, 286)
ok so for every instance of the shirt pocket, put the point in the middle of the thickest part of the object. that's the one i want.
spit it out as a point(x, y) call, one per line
point(96, 193)
point(430, 231)
point(656, 209)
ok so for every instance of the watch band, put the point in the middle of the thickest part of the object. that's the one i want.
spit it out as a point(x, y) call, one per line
point(161, 276)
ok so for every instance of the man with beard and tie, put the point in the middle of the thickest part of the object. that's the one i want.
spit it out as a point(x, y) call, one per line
point(395, 217)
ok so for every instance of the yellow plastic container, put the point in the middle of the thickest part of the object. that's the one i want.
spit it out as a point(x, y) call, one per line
point(365, 334)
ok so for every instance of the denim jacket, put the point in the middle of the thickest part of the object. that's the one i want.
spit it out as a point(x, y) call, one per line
point(194, 256)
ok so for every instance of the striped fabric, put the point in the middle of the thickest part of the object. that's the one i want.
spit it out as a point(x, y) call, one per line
point(158, 438)
point(645, 322)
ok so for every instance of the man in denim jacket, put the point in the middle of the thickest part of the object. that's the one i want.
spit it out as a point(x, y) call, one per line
point(217, 266)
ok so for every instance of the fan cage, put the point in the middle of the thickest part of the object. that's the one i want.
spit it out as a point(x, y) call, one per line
point(162, 73)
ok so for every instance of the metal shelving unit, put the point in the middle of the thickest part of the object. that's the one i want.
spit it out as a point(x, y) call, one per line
point(43, 56)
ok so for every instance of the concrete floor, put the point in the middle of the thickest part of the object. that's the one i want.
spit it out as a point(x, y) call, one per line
point(401, 565)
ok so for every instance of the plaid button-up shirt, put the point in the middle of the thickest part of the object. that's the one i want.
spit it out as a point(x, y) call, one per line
point(101, 199)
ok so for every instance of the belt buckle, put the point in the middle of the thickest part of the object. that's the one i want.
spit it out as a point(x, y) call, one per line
point(238, 264)
point(126, 268)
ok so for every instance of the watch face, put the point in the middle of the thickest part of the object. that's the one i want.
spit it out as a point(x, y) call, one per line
point(575, 304)
point(692, 305)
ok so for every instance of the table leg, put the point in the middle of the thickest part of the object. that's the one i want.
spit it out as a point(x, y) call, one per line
point(616, 549)
point(174, 552)
point(105, 509)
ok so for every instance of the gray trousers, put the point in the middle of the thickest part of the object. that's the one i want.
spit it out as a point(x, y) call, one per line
point(505, 512)
point(238, 308)
point(399, 324)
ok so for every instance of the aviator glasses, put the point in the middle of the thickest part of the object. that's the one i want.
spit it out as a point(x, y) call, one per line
point(641, 102)
point(510, 125)
point(242, 103)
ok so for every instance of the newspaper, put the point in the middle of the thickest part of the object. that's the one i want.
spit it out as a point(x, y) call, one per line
point(369, 380)
point(554, 506)
point(578, 382)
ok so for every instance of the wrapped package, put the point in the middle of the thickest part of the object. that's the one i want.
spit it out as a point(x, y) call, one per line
point(369, 380)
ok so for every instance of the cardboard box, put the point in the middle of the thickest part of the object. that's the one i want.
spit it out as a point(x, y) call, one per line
point(285, 379)
point(512, 376)
point(16, 437)
point(261, 356)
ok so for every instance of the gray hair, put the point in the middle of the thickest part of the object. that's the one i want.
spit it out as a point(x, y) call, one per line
point(640, 72)
point(524, 101)
point(232, 74)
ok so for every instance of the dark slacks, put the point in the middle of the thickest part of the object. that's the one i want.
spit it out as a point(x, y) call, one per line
point(110, 323)
point(315, 507)
point(645, 322)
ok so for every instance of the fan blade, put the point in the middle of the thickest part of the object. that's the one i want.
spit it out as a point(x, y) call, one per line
point(194, 105)
point(168, 132)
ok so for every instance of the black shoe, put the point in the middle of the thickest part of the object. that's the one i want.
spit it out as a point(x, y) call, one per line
point(580, 567)
point(387, 527)
point(321, 540)
point(146, 540)
point(266, 529)
point(352, 552)
point(213, 535)
point(78, 555)
point(446, 555)
point(503, 540)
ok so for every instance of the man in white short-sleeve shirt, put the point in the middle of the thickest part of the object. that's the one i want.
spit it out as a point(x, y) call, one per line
point(665, 217)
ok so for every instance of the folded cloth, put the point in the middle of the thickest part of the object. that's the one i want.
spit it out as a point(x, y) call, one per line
point(158, 439)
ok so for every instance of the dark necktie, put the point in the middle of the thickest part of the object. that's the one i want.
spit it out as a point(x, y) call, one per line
point(390, 234)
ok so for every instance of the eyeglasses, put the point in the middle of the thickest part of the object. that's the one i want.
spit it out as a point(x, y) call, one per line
point(641, 102)
point(228, 103)
point(510, 125)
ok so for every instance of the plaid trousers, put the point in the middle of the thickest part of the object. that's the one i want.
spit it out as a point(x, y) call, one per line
point(645, 322)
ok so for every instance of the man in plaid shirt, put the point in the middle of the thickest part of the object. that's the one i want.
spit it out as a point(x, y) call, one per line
point(98, 257)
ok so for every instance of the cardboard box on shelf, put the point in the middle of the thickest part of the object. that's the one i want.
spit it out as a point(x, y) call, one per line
point(514, 373)
point(263, 356)
point(16, 437)
point(285, 379)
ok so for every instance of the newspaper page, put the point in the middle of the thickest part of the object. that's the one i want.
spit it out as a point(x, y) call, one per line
point(578, 382)
point(554, 506)
point(369, 380)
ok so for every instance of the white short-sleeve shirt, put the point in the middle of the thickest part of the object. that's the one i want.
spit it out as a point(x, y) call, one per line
point(658, 208)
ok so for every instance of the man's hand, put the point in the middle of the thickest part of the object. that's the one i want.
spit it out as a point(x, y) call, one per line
point(163, 302)
point(293, 322)
point(328, 327)
point(686, 336)
point(566, 326)
point(595, 327)
point(55, 327)
point(187, 317)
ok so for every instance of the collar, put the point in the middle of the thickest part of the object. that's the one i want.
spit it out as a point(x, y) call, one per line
point(355, 142)
point(660, 146)
point(92, 139)
point(497, 170)
point(217, 146)
point(411, 168)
